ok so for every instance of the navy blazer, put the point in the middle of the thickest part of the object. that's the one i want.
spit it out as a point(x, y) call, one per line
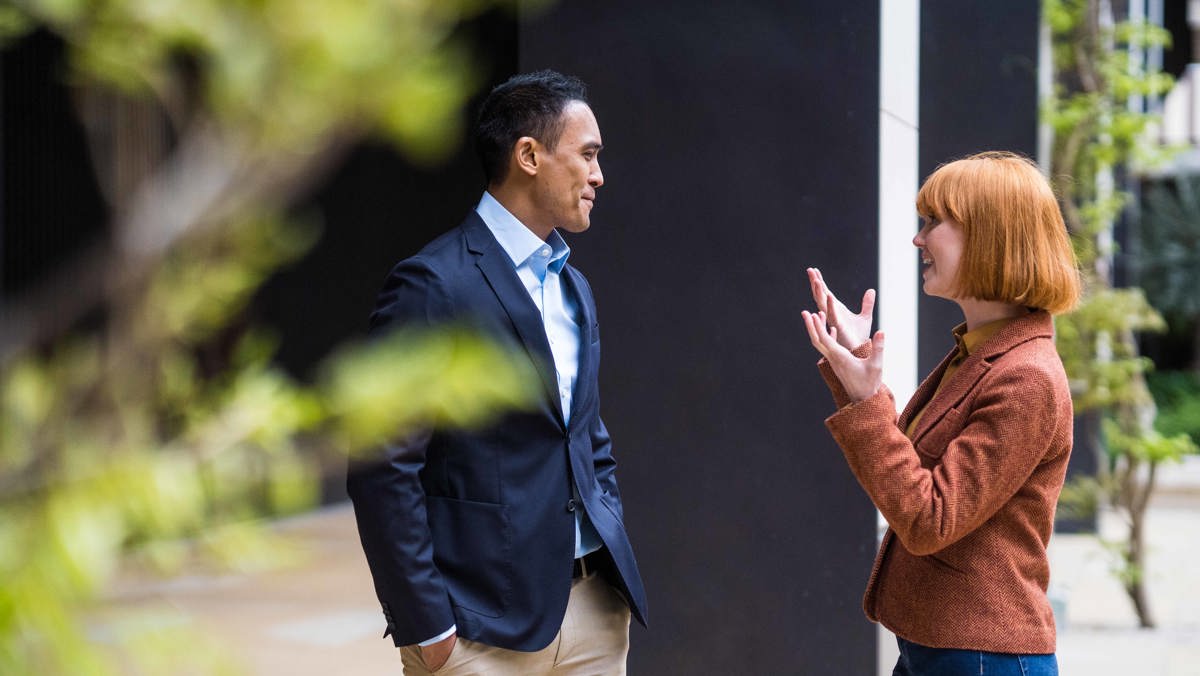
point(477, 528)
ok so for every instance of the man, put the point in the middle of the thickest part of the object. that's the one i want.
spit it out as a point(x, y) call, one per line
point(503, 551)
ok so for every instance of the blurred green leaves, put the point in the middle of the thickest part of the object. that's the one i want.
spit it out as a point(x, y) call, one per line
point(107, 450)
point(1177, 395)
point(285, 74)
point(1114, 377)
point(416, 380)
point(158, 432)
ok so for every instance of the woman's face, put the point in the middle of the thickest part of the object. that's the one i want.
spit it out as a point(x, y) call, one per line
point(941, 243)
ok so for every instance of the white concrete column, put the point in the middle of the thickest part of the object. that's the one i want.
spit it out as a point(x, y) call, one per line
point(898, 182)
point(899, 98)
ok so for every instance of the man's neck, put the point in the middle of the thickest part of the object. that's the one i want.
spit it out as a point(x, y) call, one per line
point(520, 204)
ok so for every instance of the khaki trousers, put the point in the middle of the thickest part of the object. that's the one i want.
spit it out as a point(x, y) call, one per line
point(593, 641)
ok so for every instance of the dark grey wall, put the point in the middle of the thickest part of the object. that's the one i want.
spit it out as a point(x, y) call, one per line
point(978, 92)
point(740, 147)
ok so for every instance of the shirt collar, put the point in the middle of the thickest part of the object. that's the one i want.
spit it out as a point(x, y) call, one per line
point(519, 242)
point(968, 341)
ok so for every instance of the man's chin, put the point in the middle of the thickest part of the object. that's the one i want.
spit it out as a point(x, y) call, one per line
point(578, 226)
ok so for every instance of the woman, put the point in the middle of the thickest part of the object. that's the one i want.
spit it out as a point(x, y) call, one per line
point(969, 475)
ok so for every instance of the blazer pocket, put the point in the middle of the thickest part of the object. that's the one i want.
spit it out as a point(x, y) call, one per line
point(933, 444)
point(472, 548)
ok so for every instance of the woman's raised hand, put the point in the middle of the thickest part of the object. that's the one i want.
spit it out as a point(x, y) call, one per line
point(852, 329)
point(861, 377)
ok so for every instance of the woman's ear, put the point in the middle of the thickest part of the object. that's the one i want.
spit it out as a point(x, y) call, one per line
point(525, 152)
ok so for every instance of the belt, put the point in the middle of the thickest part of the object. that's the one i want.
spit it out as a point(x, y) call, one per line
point(588, 564)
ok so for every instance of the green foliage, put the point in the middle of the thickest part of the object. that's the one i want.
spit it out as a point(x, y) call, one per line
point(363, 387)
point(285, 74)
point(1080, 498)
point(1177, 394)
point(105, 452)
point(1097, 130)
point(1094, 79)
point(1169, 260)
point(1113, 379)
point(1146, 446)
point(158, 436)
point(1129, 574)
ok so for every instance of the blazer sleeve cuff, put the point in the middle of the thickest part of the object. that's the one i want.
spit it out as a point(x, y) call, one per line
point(840, 398)
point(408, 628)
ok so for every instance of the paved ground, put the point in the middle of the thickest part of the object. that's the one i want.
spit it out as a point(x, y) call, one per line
point(1100, 636)
point(319, 616)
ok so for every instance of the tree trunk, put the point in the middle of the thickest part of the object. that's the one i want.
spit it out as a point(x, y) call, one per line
point(1196, 346)
point(1135, 583)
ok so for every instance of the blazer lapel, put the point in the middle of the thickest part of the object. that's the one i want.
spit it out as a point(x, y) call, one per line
point(497, 268)
point(925, 390)
point(1033, 325)
point(955, 390)
point(586, 370)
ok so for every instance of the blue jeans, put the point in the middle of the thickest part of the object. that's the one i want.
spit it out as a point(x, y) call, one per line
point(918, 660)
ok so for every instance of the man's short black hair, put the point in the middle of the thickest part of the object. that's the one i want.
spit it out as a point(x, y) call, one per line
point(530, 104)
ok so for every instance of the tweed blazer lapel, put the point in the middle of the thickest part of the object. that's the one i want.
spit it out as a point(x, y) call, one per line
point(497, 269)
point(920, 398)
point(954, 391)
point(1033, 325)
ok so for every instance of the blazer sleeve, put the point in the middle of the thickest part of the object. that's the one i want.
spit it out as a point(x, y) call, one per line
point(605, 464)
point(840, 397)
point(389, 502)
point(999, 442)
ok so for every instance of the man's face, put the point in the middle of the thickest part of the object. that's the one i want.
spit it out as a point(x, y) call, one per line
point(568, 177)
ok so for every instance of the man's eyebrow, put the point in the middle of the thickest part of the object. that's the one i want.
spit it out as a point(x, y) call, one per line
point(593, 145)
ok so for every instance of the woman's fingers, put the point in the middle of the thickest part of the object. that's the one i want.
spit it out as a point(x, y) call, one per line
point(868, 303)
point(824, 337)
point(814, 331)
point(816, 285)
point(820, 291)
point(876, 359)
point(874, 373)
point(852, 327)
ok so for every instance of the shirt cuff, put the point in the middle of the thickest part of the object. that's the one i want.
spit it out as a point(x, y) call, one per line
point(440, 637)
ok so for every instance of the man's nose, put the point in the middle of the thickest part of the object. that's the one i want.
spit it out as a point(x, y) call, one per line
point(596, 178)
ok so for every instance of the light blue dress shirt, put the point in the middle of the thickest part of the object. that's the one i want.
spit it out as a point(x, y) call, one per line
point(539, 266)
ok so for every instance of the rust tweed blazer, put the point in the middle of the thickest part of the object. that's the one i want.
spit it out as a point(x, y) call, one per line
point(970, 498)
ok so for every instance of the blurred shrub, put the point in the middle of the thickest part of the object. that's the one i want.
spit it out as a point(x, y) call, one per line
point(1177, 394)
point(107, 452)
point(157, 430)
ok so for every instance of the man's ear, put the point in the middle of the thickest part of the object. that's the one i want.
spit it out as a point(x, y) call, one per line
point(525, 152)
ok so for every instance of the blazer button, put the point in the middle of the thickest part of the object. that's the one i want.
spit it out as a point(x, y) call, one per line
point(571, 505)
